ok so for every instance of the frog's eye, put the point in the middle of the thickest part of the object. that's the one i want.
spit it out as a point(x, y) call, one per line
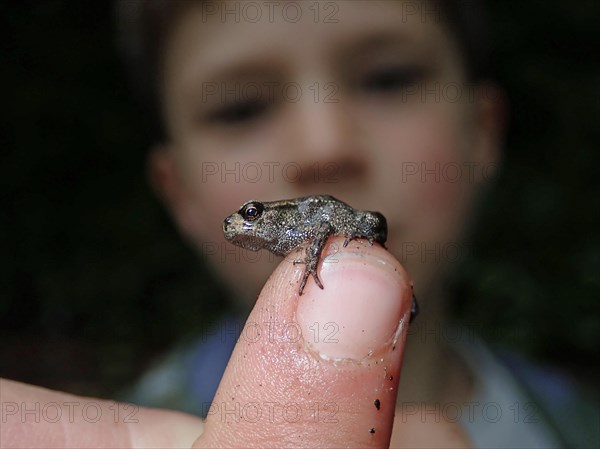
point(252, 211)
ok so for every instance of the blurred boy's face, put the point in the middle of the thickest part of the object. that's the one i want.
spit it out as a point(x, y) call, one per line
point(372, 108)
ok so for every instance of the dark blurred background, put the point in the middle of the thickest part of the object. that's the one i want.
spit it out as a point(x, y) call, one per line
point(96, 283)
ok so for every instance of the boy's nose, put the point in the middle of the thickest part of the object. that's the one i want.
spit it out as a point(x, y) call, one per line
point(324, 129)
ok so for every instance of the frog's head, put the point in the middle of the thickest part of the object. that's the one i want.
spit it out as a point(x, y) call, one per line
point(246, 227)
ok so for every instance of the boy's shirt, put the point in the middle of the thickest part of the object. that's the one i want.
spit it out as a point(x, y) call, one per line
point(504, 412)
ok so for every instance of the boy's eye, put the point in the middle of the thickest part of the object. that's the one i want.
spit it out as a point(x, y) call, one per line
point(391, 79)
point(238, 113)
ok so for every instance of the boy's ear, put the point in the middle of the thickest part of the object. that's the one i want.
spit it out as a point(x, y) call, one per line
point(491, 116)
point(169, 186)
point(162, 175)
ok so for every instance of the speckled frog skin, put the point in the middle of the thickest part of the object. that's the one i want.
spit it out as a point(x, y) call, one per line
point(281, 226)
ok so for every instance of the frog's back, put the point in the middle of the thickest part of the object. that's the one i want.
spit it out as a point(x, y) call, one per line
point(318, 199)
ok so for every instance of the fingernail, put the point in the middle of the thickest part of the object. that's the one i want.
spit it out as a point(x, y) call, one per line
point(363, 307)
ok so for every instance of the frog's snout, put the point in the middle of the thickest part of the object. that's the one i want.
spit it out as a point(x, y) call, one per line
point(227, 224)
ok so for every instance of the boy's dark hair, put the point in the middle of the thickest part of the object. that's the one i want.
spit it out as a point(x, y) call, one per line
point(143, 28)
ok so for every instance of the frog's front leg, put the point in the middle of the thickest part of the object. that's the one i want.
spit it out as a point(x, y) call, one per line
point(357, 235)
point(313, 254)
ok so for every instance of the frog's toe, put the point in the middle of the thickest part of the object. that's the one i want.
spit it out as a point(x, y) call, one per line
point(302, 285)
point(317, 280)
point(304, 280)
point(349, 238)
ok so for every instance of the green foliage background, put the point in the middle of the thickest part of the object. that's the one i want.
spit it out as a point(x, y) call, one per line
point(96, 283)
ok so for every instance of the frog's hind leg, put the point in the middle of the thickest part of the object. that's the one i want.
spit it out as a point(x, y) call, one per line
point(313, 254)
point(414, 310)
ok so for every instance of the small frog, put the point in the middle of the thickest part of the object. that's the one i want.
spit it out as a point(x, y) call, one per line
point(281, 226)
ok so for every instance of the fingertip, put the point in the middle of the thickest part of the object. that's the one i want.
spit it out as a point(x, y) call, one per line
point(364, 302)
